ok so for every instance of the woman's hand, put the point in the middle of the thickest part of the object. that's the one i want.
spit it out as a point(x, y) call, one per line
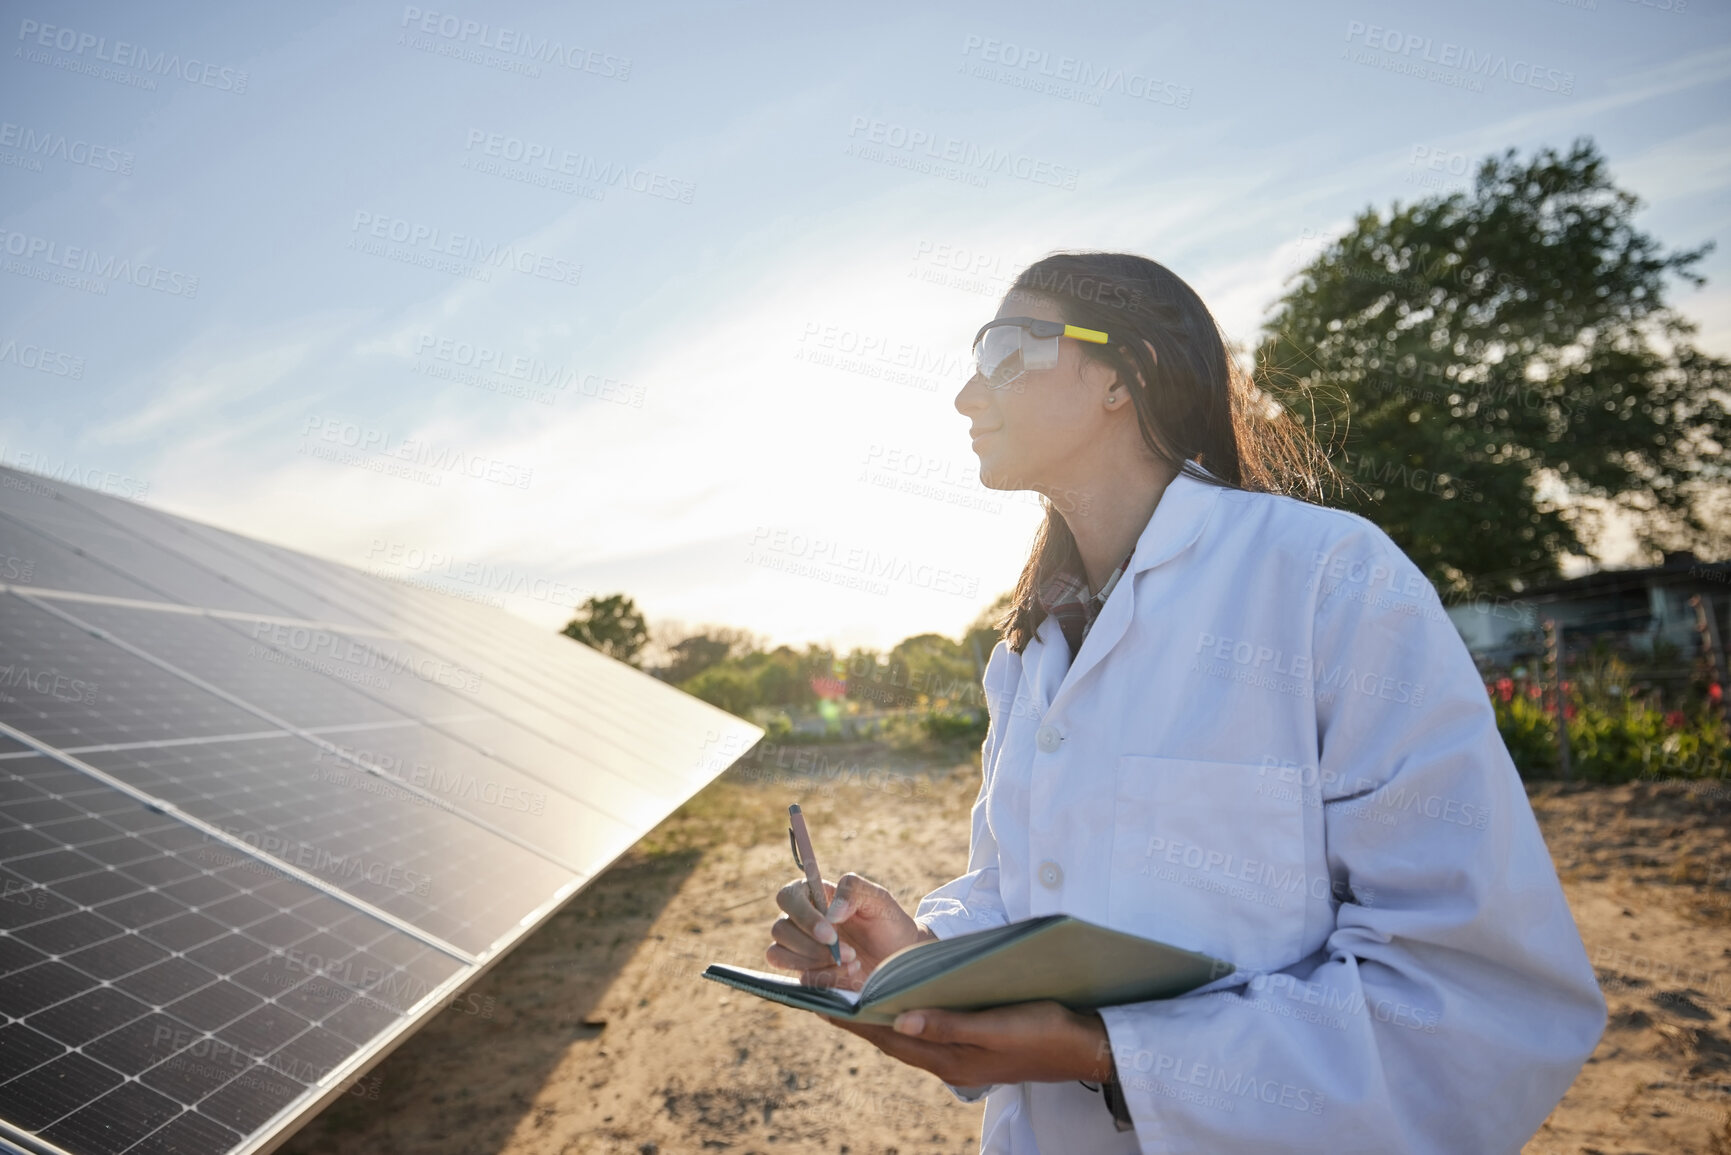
point(870, 924)
point(1043, 1042)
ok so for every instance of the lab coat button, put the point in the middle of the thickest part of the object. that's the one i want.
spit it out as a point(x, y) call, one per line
point(1047, 738)
point(1051, 875)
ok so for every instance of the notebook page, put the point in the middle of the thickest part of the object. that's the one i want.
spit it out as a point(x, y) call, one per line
point(774, 980)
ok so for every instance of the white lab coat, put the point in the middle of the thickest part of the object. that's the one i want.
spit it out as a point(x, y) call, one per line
point(1274, 748)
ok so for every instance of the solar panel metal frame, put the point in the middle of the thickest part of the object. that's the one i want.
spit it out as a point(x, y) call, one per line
point(735, 735)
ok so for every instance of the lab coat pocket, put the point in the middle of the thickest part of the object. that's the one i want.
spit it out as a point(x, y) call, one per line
point(1203, 859)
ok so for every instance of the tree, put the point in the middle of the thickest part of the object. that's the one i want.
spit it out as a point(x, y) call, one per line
point(694, 655)
point(728, 687)
point(1474, 348)
point(982, 636)
point(935, 666)
point(612, 624)
point(713, 645)
point(781, 678)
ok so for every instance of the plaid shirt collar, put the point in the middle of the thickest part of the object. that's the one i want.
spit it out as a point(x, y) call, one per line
point(1065, 596)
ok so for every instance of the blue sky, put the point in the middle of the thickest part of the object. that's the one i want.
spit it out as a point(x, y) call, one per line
point(531, 301)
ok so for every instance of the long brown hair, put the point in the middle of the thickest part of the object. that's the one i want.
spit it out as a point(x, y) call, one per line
point(1198, 405)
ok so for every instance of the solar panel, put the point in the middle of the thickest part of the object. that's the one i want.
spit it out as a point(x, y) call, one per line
point(336, 593)
point(143, 563)
point(424, 864)
point(145, 981)
point(263, 815)
point(65, 686)
point(30, 558)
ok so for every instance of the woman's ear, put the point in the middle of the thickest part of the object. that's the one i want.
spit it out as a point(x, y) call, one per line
point(1098, 374)
point(1153, 354)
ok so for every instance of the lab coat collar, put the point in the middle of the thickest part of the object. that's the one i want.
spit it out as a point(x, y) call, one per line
point(1177, 520)
point(1176, 523)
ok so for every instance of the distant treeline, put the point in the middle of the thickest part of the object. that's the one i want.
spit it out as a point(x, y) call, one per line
point(732, 669)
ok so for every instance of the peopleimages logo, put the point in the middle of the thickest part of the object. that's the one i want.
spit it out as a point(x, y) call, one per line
point(87, 260)
point(90, 477)
point(40, 359)
point(442, 243)
point(580, 166)
point(1483, 65)
point(411, 451)
point(312, 642)
point(50, 683)
point(969, 158)
point(1089, 79)
point(58, 146)
point(125, 55)
point(826, 553)
point(352, 867)
point(493, 578)
point(535, 373)
point(511, 42)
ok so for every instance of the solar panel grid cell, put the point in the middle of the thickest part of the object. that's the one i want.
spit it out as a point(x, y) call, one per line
point(246, 568)
point(67, 688)
point(332, 804)
point(551, 682)
point(169, 577)
point(493, 791)
point(349, 593)
point(177, 984)
point(421, 862)
point(30, 558)
point(294, 690)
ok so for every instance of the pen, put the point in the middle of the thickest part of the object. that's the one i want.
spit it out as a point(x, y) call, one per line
point(806, 859)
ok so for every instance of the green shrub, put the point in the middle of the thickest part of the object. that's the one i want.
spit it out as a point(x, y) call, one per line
point(1616, 743)
point(1529, 734)
point(955, 725)
point(777, 726)
point(725, 686)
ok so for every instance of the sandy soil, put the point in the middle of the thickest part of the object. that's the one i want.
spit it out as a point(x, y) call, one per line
point(597, 1035)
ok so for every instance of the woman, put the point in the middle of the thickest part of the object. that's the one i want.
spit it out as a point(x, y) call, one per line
point(1238, 722)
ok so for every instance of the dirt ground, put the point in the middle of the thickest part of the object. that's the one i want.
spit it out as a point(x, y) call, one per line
point(597, 1035)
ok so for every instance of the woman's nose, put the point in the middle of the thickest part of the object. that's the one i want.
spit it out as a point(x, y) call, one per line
point(972, 398)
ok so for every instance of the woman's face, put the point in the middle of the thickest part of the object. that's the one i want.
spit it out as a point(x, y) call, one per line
point(1035, 432)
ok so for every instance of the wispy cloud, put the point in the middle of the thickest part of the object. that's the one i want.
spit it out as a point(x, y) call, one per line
point(743, 365)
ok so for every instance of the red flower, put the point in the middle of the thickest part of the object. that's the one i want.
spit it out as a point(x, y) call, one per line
point(1715, 692)
point(1505, 688)
point(1674, 719)
point(1568, 711)
point(1534, 691)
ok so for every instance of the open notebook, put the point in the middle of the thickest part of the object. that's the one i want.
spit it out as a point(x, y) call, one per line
point(1056, 956)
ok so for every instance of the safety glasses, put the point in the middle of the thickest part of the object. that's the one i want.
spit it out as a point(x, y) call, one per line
point(1008, 347)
